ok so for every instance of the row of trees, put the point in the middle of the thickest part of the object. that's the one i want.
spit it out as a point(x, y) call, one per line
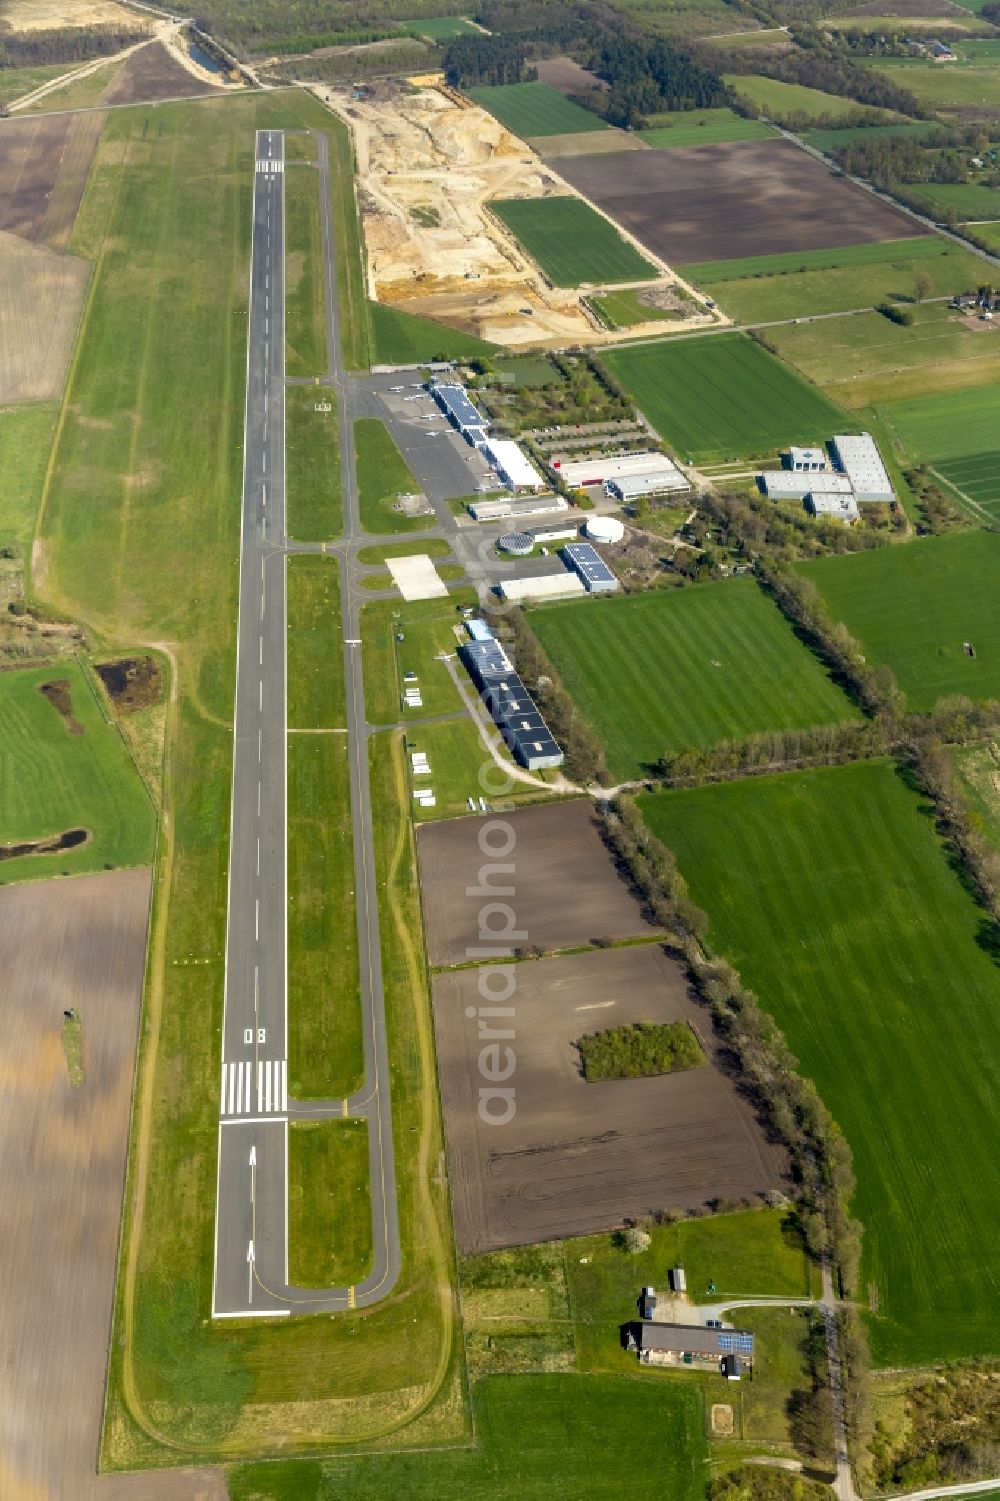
point(820, 1156)
point(775, 750)
point(585, 762)
point(887, 160)
point(938, 513)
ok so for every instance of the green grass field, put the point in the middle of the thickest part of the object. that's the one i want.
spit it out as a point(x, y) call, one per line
point(16, 82)
point(533, 109)
point(702, 127)
point(571, 242)
point(427, 629)
point(942, 85)
point(329, 1203)
point(959, 433)
point(969, 200)
point(53, 780)
point(888, 996)
point(398, 337)
point(913, 607)
point(383, 474)
point(868, 360)
point(722, 398)
point(538, 1437)
point(441, 28)
point(990, 232)
point(305, 317)
point(455, 754)
point(25, 438)
point(771, 97)
point(324, 1035)
point(150, 440)
point(836, 281)
point(656, 672)
point(312, 465)
point(829, 140)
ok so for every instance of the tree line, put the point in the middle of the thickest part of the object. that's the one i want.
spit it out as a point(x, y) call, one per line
point(585, 761)
point(820, 61)
point(65, 44)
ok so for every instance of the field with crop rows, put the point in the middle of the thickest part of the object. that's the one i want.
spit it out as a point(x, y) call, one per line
point(913, 608)
point(571, 242)
point(722, 398)
point(533, 109)
point(654, 672)
point(832, 894)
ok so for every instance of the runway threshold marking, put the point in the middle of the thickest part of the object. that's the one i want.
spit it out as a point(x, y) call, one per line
point(255, 1087)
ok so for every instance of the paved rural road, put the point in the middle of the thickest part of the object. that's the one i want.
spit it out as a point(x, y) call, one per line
point(251, 1241)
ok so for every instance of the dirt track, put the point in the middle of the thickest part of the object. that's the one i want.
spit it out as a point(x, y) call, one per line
point(577, 1157)
point(566, 889)
point(698, 203)
point(64, 943)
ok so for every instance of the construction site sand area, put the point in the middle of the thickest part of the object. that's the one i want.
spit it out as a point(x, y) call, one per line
point(580, 1157)
point(427, 168)
point(45, 15)
point(65, 944)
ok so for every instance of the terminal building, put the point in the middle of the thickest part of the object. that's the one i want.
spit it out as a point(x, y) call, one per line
point(464, 416)
point(511, 706)
point(507, 508)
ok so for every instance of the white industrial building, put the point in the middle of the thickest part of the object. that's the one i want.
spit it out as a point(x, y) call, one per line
point(796, 484)
point(827, 503)
point(633, 487)
point(808, 460)
point(659, 472)
point(505, 507)
point(561, 585)
point(860, 460)
point(511, 465)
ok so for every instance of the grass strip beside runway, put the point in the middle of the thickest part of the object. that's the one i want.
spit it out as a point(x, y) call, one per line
point(329, 1203)
point(305, 302)
point(383, 474)
point(314, 506)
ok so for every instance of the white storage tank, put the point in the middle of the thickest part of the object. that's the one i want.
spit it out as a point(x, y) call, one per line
point(604, 529)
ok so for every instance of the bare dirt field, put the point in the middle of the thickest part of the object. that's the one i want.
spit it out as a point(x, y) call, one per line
point(577, 1157)
point(566, 889)
point(748, 198)
point(69, 943)
point(586, 143)
point(41, 15)
point(44, 162)
point(566, 76)
point(41, 293)
point(427, 167)
point(153, 73)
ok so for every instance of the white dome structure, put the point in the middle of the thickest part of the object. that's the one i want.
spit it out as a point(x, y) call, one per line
point(606, 529)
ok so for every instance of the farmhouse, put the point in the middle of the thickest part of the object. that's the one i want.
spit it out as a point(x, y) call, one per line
point(690, 1345)
point(463, 415)
point(588, 563)
point(509, 702)
point(511, 465)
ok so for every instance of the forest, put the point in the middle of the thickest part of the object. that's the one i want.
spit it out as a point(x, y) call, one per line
point(65, 44)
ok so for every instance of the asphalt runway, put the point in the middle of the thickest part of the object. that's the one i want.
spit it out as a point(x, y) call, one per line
point(251, 1239)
